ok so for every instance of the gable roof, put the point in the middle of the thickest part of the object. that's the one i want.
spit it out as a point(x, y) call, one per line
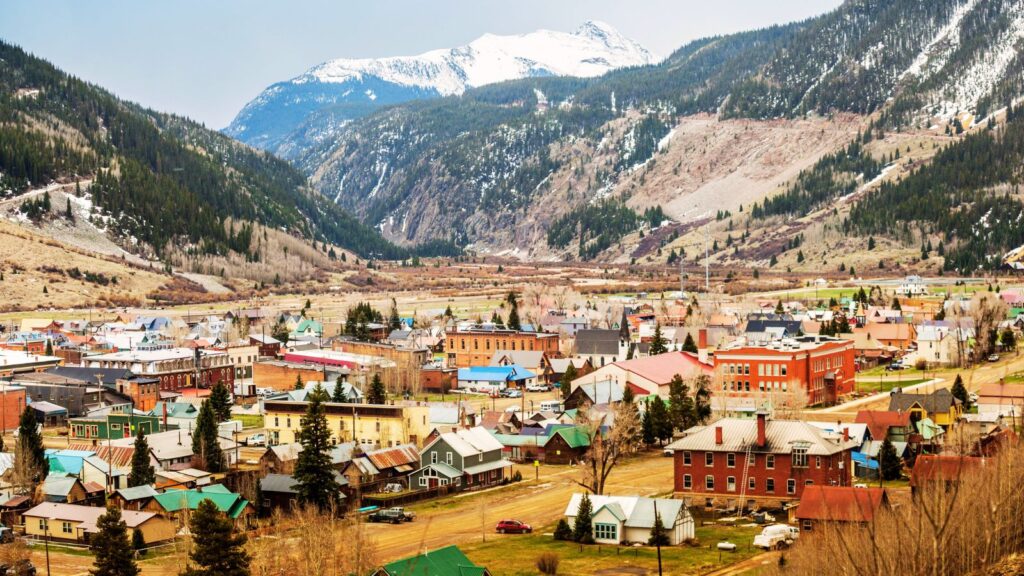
point(599, 342)
point(879, 421)
point(137, 492)
point(574, 437)
point(888, 330)
point(85, 515)
point(663, 367)
point(780, 437)
point(634, 511)
point(518, 357)
point(840, 503)
point(447, 561)
point(939, 401)
point(227, 502)
point(930, 467)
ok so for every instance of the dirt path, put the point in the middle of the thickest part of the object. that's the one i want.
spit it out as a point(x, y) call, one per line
point(748, 565)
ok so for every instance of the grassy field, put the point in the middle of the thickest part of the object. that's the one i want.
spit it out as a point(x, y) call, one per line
point(515, 555)
point(876, 385)
point(249, 420)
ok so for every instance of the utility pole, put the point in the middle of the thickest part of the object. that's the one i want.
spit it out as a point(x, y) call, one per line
point(657, 542)
point(707, 264)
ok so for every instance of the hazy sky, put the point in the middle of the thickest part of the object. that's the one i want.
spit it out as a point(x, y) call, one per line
point(207, 58)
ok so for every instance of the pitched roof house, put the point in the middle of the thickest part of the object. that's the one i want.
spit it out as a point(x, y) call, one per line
point(839, 504)
point(464, 458)
point(447, 561)
point(618, 519)
point(940, 406)
point(882, 424)
point(648, 375)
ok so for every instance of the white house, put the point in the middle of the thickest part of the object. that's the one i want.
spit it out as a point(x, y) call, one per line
point(912, 286)
point(630, 518)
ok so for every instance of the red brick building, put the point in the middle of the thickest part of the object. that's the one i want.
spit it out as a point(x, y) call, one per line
point(12, 404)
point(758, 462)
point(175, 368)
point(818, 367)
point(476, 345)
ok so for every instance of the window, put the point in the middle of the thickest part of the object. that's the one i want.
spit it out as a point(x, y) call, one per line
point(752, 459)
point(790, 486)
point(42, 524)
point(752, 484)
point(807, 526)
point(730, 484)
point(448, 458)
point(709, 458)
point(604, 531)
point(769, 461)
point(709, 482)
point(433, 457)
point(769, 485)
point(687, 460)
point(289, 422)
point(817, 461)
point(66, 527)
point(783, 369)
point(799, 456)
point(746, 369)
point(730, 460)
point(809, 483)
point(687, 482)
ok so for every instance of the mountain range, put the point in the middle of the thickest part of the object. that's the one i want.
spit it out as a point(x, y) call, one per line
point(313, 105)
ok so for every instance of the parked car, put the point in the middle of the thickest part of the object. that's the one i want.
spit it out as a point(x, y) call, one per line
point(513, 527)
point(6, 535)
point(256, 440)
point(894, 367)
point(388, 515)
point(20, 568)
point(537, 388)
point(776, 536)
point(668, 452)
point(993, 357)
point(974, 397)
point(407, 515)
point(514, 394)
point(513, 408)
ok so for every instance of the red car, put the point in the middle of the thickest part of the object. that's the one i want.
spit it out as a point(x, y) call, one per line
point(513, 527)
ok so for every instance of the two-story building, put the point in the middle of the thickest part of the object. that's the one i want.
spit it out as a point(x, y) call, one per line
point(465, 458)
point(758, 462)
point(176, 368)
point(378, 425)
point(940, 405)
point(815, 369)
point(475, 345)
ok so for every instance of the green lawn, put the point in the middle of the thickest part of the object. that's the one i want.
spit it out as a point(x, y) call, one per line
point(249, 420)
point(875, 385)
point(515, 555)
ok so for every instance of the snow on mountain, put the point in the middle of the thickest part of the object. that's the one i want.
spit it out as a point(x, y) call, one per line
point(289, 114)
point(593, 49)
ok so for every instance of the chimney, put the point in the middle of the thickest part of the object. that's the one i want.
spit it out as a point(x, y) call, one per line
point(718, 435)
point(762, 424)
point(702, 345)
point(846, 434)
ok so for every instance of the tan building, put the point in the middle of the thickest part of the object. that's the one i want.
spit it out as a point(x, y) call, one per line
point(281, 375)
point(75, 523)
point(404, 374)
point(384, 426)
point(476, 346)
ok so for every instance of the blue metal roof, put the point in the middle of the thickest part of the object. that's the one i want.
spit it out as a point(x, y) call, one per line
point(510, 373)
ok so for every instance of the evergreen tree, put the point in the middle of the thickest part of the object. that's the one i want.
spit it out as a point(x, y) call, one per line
point(1008, 340)
point(889, 463)
point(657, 342)
point(702, 400)
point(377, 395)
point(583, 529)
point(689, 345)
point(660, 420)
point(216, 549)
point(896, 304)
point(659, 537)
point(299, 384)
point(220, 402)
point(959, 392)
point(513, 314)
point(205, 443)
point(49, 346)
point(647, 431)
point(339, 391)
point(30, 442)
point(630, 351)
point(314, 475)
point(142, 472)
point(778, 308)
point(565, 383)
point(111, 548)
point(680, 405)
point(394, 320)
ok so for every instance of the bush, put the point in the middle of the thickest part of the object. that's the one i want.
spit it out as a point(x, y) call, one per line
point(547, 563)
point(563, 531)
point(517, 476)
point(921, 364)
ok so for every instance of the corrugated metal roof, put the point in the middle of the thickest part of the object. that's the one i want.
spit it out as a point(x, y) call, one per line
point(780, 436)
point(394, 457)
point(86, 515)
point(487, 467)
point(638, 511)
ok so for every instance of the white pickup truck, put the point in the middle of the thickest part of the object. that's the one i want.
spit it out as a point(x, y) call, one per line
point(776, 536)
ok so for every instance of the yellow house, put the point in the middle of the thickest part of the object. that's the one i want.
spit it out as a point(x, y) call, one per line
point(380, 425)
point(75, 523)
point(940, 406)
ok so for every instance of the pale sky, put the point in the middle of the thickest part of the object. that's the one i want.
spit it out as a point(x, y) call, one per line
point(206, 58)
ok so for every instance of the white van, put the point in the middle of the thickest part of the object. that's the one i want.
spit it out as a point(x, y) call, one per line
point(776, 536)
point(551, 406)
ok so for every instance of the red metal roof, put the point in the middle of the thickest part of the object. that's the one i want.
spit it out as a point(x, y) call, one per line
point(879, 421)
point(840, 503)
point(394, 457)
point(932, 468)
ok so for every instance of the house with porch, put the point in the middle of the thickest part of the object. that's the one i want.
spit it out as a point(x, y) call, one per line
point(466, 458)
point(629, 519)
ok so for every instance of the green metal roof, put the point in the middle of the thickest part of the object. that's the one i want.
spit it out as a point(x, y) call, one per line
point(447, 561)
point(227, 502)
point(575, 437)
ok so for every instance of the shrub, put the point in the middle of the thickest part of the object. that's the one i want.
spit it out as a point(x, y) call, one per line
point(921, 364)
point(547, 563)
point(563, 531)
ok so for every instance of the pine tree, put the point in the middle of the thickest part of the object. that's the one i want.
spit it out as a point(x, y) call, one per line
point(779, 309)
point(562, 530)
point(68, 213)
point(339, 391)
point(689, 345)
point(299, 384)
point(565, 383)
point(896, 304)
point(394, 320)
point(216, 549)
point(647, 431)
point(1008, 340)
point(30, 442)
point(49, 347)
point(657, 342)
point(680, 405)
point(110, 546)
point(702, 400)
point(583, 529)
point(314, 475)
point(377, 395)
point(513, 313)
point(889, 463)
point(220, 402)
point(205, 442)
point(660, 420)
point(959, 392)
point(142, 472)
point(631, 351)
point(658, 535)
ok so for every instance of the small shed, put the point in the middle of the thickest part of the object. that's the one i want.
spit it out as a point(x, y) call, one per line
point(49, 414)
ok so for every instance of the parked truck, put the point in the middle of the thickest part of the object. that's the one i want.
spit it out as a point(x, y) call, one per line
point(776, 536)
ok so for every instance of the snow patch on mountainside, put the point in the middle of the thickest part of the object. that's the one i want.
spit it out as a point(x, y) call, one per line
point(593, 49)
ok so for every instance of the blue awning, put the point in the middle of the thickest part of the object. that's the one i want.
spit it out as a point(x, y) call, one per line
point(861, 459)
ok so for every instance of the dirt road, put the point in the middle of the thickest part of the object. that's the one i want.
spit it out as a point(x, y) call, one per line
point(472, 517)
